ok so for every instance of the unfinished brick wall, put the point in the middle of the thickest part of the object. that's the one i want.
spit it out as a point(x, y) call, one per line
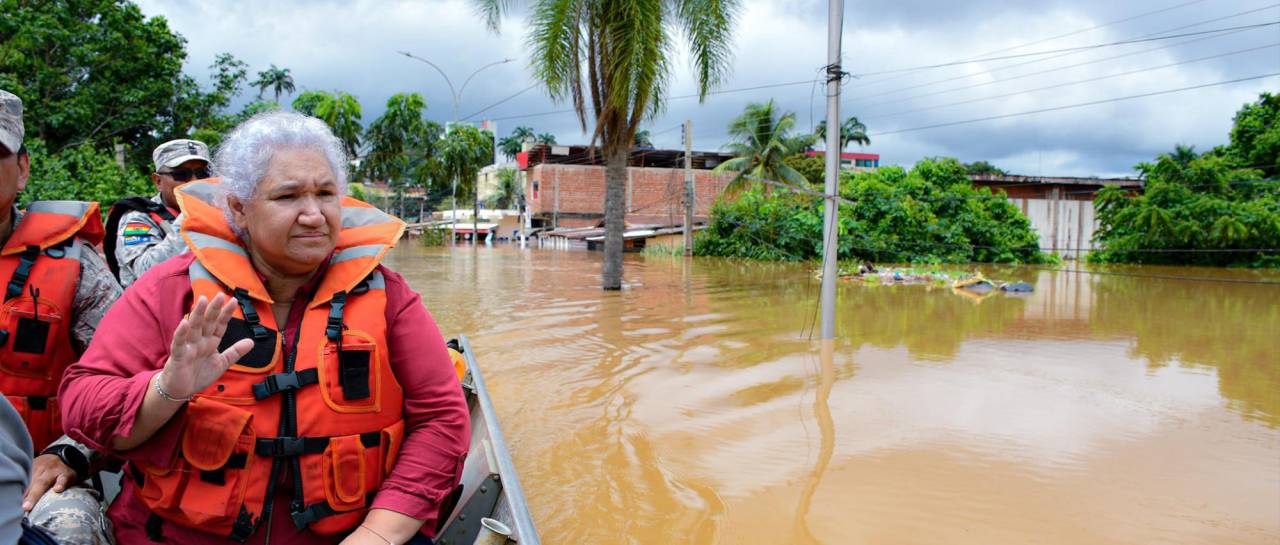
point(654, 195)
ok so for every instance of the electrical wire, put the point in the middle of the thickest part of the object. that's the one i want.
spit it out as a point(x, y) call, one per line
point(1077, 105)
point(1074, 82)
point(1036, 61)
point(1067, 49)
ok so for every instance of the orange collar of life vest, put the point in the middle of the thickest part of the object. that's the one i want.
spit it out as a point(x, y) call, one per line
point(48, 223)
point(365, 237)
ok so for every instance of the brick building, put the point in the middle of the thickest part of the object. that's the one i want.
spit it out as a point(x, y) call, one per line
point(565, 186)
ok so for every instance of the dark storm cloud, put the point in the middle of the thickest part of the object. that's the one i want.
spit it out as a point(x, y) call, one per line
point(352, 47)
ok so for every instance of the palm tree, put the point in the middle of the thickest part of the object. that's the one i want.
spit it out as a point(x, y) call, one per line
point(546, 138)
point(851, 131)
point(510, 189)
point(762, 143)
point(612, 61)
point(399, 142)
point(278, 79)
point(463, 152)
point(339, 110)
point(512, 144)
point(642, 140)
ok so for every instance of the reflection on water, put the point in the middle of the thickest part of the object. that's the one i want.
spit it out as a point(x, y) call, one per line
point(695, 409)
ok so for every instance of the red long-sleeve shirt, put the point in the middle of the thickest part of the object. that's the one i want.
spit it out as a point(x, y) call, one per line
point(101, 394)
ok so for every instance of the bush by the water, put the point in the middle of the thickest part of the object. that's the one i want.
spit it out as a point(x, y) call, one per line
point(1212, 209)
point(931, 214)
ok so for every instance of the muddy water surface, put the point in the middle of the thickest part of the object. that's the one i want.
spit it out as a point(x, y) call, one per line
point(693, 408)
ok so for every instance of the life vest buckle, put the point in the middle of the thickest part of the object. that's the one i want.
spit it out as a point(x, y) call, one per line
point(283, 382)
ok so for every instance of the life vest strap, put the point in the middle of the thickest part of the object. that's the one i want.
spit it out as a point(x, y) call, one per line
point(283, 382)
point(333, 329)
point(285, 447)
point(244, 525)
point(316, 511)
point(250, 314)
point(20, 275)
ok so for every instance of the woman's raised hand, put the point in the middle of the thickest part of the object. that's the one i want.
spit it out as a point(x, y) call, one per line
point(194, 361)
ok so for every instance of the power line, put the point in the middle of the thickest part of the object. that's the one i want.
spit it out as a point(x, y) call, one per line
point(1036, 61)
point(1095, 27)
point(1077, 105)
point(1076, 82)
point(1072, 33)
point(1068, 49)
point(500, 102)
point(1052, 70)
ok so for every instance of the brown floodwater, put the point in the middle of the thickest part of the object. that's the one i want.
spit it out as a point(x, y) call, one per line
point(694, 408)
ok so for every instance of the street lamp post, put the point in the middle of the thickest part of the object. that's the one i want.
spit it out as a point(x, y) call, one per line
point(457, 98)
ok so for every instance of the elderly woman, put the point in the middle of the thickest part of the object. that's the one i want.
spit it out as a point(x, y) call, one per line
point(276, 384)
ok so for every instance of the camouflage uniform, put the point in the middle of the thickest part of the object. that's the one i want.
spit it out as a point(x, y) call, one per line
point(145, 243)
point(76, 516)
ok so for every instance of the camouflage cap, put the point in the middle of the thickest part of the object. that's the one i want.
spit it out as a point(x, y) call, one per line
point(10, 121)
point(175, 152)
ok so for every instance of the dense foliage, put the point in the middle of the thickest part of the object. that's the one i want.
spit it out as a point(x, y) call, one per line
point(1218, 208)
point(930, 214)
point(82, 172)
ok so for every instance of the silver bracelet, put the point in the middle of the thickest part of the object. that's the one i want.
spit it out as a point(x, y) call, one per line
point(165, 395)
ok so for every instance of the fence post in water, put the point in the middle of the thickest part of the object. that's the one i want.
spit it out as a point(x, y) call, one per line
point(688, 188)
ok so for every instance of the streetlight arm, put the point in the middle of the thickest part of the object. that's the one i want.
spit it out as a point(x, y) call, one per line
point(478, 70)
point(442, 74)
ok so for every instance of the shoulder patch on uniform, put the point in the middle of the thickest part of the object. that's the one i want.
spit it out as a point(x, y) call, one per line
point(130, 240)
point(138, 228)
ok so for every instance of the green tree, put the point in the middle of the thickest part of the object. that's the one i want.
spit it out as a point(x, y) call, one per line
point(1217, 208)
point(1255, 135)
point(811, 167)
point(279, 80)
point(510, 190)
point(546, 138)
point(464, 150)
point(307, 101)
point(404, 148)
point(642, 140)
point(851, 131)
point(612, 61)
point(339, 110)
point(761, 144)
point(983, 167)
point(512, 144)
point(83, 173)
point(90, 71)
point(930, 214)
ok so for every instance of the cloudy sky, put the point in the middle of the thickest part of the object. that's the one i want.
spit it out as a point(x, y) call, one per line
point(352, 46)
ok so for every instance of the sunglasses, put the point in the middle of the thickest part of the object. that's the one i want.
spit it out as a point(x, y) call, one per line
point(187, 174)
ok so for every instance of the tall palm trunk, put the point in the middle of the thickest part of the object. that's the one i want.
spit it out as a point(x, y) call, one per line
point(614, 214)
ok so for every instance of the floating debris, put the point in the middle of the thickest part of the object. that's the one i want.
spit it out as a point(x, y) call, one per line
point(969, 283)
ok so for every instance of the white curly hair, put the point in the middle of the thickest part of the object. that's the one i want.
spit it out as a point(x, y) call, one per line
point(242, 158)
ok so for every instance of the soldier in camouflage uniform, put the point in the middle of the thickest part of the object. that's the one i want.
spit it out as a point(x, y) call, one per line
point(57, 497)
point(146, 230)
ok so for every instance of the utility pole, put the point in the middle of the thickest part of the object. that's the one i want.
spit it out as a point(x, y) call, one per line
point(688, 188)
point(830, 216)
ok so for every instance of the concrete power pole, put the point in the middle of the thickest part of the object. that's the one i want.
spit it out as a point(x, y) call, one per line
point(830, 216)
point(688, 188)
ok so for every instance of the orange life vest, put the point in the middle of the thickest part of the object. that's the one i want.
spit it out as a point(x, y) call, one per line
point(327, 410)
point(41, 265)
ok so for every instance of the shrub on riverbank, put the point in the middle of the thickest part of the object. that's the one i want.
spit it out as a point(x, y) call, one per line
point(930, 214)
point(1212, 209)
